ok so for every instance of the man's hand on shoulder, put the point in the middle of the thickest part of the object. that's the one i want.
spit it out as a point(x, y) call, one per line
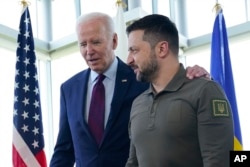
point(196, 72)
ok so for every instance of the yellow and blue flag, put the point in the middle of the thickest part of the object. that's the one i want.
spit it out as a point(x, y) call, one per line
point(221, 71)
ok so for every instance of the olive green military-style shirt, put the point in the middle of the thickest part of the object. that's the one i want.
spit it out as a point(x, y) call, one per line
point(188, 124)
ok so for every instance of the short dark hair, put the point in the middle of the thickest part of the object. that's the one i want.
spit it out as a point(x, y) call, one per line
point(157, 28)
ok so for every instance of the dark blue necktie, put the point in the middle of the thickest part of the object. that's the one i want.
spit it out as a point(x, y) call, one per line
point(97, 110)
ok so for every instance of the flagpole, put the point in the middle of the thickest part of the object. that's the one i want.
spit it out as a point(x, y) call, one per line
point(120, 28)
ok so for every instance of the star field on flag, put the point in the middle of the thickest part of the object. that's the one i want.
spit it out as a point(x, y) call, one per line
point(28, 139)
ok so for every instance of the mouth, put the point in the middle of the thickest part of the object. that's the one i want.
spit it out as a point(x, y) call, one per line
point(136, 69)
point(93, 61)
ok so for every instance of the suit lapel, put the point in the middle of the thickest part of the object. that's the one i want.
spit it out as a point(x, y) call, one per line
point(123, 80)
point(80, 90)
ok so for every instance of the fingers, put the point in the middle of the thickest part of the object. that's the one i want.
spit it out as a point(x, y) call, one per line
point(196, 72)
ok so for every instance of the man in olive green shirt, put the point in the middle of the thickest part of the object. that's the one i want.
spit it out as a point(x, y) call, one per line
point(177, 122)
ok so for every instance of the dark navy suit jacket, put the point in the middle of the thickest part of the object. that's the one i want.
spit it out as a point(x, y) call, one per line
point(75, 143)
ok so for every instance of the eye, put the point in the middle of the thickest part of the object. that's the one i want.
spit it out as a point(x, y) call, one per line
point(83, 44)
point(133, 50)
point(96, 42)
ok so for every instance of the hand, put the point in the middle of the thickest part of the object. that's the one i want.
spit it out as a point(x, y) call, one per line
point(196, 72)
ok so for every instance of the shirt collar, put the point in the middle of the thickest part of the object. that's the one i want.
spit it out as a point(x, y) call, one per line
point(110, 73)
point(178, 80)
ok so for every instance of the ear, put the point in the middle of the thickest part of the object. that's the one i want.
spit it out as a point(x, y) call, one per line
point(162, 48)
point(115, 41)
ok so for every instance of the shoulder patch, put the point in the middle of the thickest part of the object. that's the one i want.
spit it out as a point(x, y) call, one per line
point(220, 108)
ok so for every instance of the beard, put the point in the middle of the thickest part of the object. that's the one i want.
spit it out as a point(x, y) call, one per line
point(149, 70)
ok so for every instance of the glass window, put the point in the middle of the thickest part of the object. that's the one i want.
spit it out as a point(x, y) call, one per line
point(147, 6)
point(201, 15)
point(68, 61)
point(163, 7)
point(63, 18)
point(7, 74)
point(107, 6)
point(10, 13)
point(62, 69)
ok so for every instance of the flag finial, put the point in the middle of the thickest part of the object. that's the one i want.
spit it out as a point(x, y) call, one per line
point(217, 8)
point(24, 3)
point(120, 3)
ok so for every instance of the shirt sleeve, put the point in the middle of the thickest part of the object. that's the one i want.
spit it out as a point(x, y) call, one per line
point(132, 159)
point(215, 126)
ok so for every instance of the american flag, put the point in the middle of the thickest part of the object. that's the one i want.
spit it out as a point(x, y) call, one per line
point(28, 141)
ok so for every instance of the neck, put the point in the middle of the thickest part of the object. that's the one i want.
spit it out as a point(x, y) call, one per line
point(167, 71)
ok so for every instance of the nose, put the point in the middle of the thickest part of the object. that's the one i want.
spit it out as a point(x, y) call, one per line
point(130, 59)
point(89, 49)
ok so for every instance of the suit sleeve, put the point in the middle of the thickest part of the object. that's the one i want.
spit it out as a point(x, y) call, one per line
point(215, 126)
point(63, 152)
